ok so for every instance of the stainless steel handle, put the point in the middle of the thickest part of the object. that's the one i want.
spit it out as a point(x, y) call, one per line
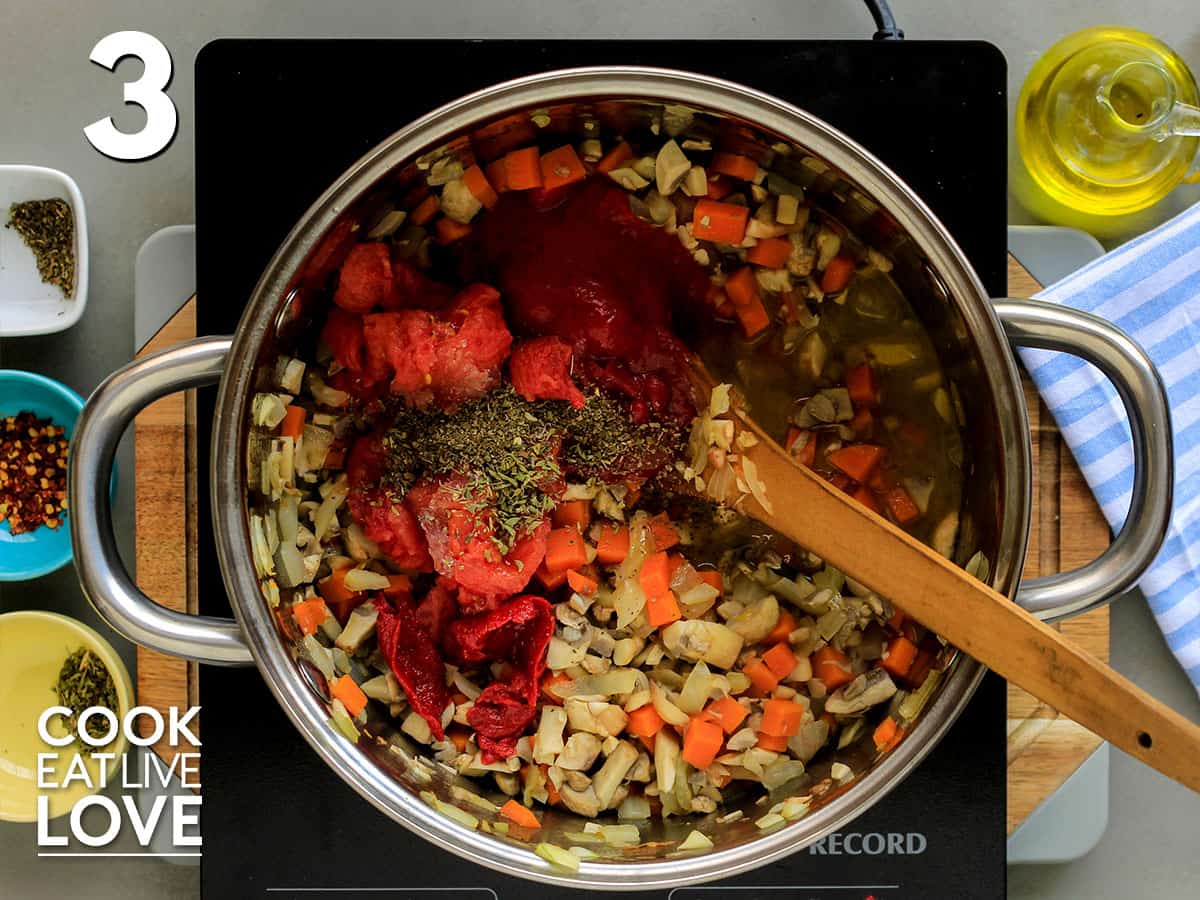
point(1049, 326)
point(107, 585)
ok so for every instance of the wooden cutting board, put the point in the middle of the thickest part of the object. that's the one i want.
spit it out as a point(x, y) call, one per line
point(1067, 531)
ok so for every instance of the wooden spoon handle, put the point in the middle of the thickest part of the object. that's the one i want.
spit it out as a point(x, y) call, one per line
point(967, 613)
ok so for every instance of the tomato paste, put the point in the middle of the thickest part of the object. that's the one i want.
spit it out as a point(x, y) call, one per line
point(579, 265)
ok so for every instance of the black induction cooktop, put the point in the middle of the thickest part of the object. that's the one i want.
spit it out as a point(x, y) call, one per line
point(277, 122)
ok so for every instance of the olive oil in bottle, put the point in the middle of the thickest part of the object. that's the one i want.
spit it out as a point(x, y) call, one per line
point(1107, 124)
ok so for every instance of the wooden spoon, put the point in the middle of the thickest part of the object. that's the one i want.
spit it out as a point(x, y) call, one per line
point(970, 615)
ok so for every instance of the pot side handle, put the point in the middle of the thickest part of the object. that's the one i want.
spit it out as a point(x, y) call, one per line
point(1050, 326)
point(105, 581)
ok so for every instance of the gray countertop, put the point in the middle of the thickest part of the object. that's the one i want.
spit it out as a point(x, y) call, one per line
point(49, 92)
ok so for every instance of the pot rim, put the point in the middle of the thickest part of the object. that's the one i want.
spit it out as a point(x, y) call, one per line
point(228, 476)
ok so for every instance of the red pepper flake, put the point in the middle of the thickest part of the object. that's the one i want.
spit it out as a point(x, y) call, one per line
point(33, 473)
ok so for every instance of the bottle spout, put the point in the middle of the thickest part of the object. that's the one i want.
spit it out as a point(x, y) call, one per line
point(1183, 120)
point(1140, 101)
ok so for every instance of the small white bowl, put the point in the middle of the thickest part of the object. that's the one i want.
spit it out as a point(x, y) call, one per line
point(27, 304)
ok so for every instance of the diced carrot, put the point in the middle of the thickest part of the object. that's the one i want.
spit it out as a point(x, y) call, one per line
point(341, 609)
point(615, 158)
point(780, 660)
point(333, 587)
point(916, 632)
point(309, 614)
point(426, 210)
point(742, 288)
point(828, 719)
point(351, 695)
point(832, 667)
point(577, 513)
point(341, 600)
point(458, 736)
point(858, 461)
point(899, 656)
point(760, 676)
point(293, 422)
point(867, 498)
point(548, 682)
point(712, 577)
point(772, 742)
point(901, 505)
point(664, 533)
point(807, 454)
point(479, 186)
point(497, 175)
point(770, 252)
point(449, 231)
point(523, 169)
point(863, 424)
point(723, 223)
point(785, 626)
point(655, 575)
point(702, 742)
point(550, 580)
point(613, 545)
point(552, 795)
point(565, 549)
point(645, 721)
point(791, 305)
point(781, 718)
point(398, 584)
point(561, 167)
point(840, 480)
point(519, 815)
point(837, 274)
point(580, 583)
point(734, 165)
point(727, 713)
point(662, 610)
point(921, 668)
point(860, 382)
point(880, 480)
point(885, 732)
point(719, 186)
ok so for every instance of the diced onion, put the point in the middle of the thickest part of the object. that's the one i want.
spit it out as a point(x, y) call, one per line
point(695, 841)
point(695, 691)
point(634, 807)
point(288, 514)
point(289, 565)
point(781, 772)
point(366, 580)
point(557, 856)
point(267, 410)
point(670, 713)
point(342, 721)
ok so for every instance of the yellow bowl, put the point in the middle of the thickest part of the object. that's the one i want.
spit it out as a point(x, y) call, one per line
point(33, 646)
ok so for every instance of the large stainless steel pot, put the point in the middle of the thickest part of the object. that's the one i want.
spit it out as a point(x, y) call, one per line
point(971, 332)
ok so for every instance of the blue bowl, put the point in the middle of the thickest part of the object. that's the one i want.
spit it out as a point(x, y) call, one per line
point(43, 550)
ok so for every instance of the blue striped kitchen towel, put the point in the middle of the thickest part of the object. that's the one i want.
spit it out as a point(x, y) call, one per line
point(1150, 287)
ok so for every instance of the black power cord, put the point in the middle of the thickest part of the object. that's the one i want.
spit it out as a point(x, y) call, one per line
point(886, 28)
